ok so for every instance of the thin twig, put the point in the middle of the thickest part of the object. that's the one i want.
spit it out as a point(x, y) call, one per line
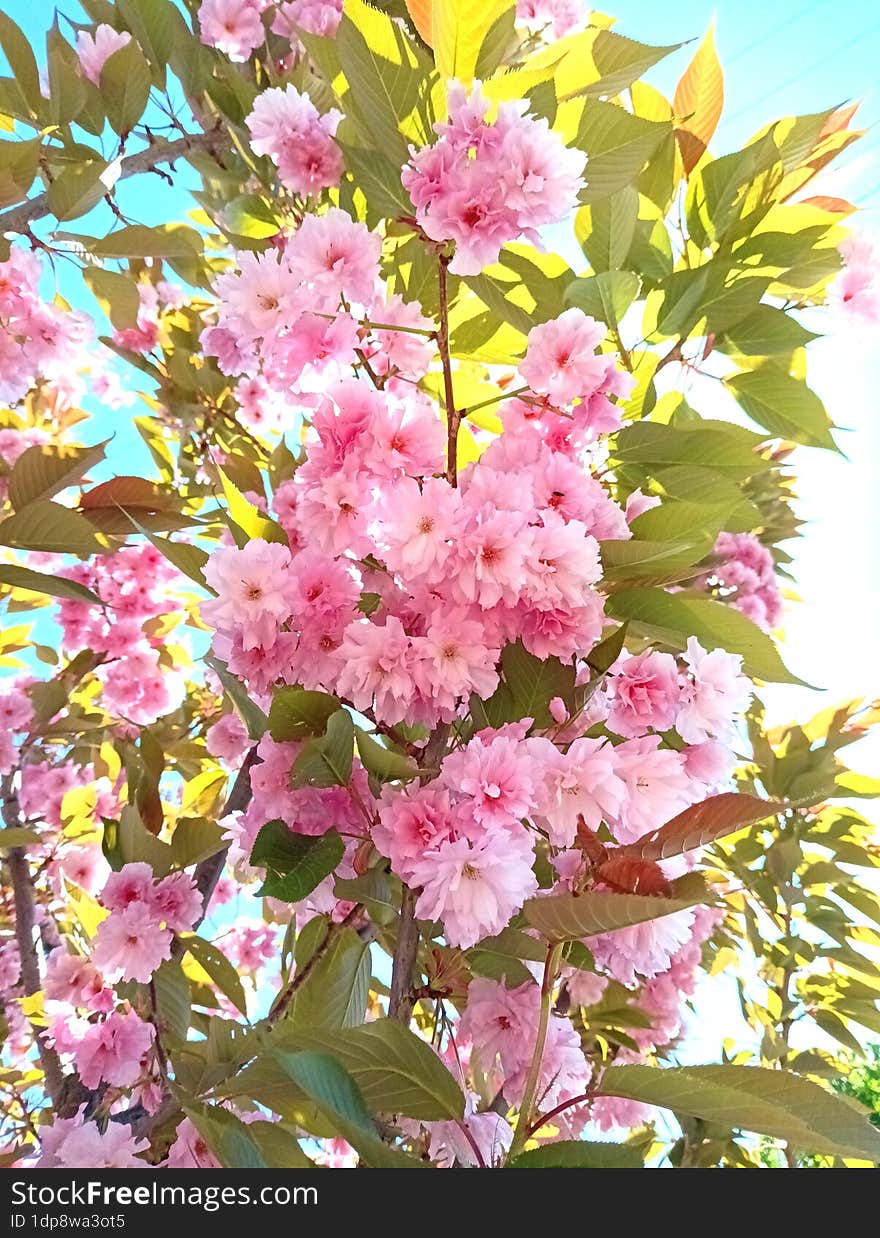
point(290, 990)
point(19, 218)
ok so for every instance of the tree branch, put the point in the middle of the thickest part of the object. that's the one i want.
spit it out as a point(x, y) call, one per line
point(290, 990)
point(25, 927)
point(19, 218)
point(453, 417)
point(402, 996)
point(208, 872)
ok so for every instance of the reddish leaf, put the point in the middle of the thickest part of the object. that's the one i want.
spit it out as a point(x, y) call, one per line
point(839, 120)
point(702, 824)
point(699, 98)
point(837, 206)
point(131, 492)
point(630, 874)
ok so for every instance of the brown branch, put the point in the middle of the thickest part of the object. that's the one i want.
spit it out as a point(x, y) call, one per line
point(208, 872)
point(290, 990)
point(25, 927)
point(453, 417)
point(402, 996)
point(19, 218)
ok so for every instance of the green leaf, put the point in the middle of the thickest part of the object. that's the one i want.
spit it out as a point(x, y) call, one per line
point(249, 215)
point(279, 1147)
point(767, 331)
point(249, 519)
point(378, 177)
point(139, 241)
point(606, 229)
point(80, 187)
point(605, 653)
point(376, 889)
point(728, 449)
point(383, 763)
point(188, 559)
point(296, 713)
point(620, 62)
point(783, 405)
point(218, 967)
point(338, 1097)
point(533, 682)
point(606, 296)
point(501, 957)
point(157, 27)
point(568, 917)
point(617, 145)
point(117, 295)
point(19, 161)
point(249, 711)
point(704, 823)
point(326, 761)
point(752, 1098)
point(54, 586)
point(396, 1071)
point(125, 87)
point(653, 562)
point(48, 526)
point(459, 29)
point(386, 77)
point(172, 1000)
point(195, 839)
point(22, 62)
point(17, 837)
point(674, 617)
point(128, 841)
point(295, 863)
point(575, 1154)
point(67, 92)
point(227, 1136)
point(41, 471)
point(335, 992)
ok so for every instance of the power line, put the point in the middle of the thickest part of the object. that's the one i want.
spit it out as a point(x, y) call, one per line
point(769, 34)
point(801, 73)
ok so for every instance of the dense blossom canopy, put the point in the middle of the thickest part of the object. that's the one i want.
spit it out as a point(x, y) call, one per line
point(400, 715)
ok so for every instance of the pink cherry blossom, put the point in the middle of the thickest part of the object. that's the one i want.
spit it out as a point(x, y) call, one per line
point(583, 781)
point(112, 1050)
point(131, 944)
point(73, 1143)
point(251, 586)
point(715, 693)
point(286, 126)
point(94, 50)
point(645, 694)
point(475, 887)
point(561, 361)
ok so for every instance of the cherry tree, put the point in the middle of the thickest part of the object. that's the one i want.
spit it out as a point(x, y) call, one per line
point(383, 757)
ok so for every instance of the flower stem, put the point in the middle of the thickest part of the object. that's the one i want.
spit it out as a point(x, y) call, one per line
point(523, 1122)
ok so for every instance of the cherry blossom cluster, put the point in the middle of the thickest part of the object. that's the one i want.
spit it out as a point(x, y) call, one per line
point(39, 341)
point(294, 321)
point(134, 585)
point(236, 26)
point(286, 126)
point(485, 183)
point(552, 18)
point(144, 915)
point(745, 576)
point(856, 291)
